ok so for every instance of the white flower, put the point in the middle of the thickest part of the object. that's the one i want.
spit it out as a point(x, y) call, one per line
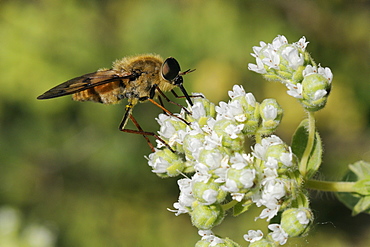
point(259, 68)
point(233, 130)
point(271, 57)
point(202, 172)
point(302, 217)
point(326, 72)
point(185, 198)
point(198, 110)
point(253, 236)
point(269, 213)
point(193, 145)
point(209, 236)
point(212, 141)
point(302, 44)
point(279, 41)
point(309, 70)
point(269, 174)
point(247, 177)
point(210, 196)
point(222, 108)
point(251, 99)
point(205, 233)
point(237, 196)
point(215, 241)
point(259, 151)
point(273, 190)
point(278, 234)
point(287, 158)
point(208, 128)
point(239, 158)
point(179, 209)
point(213, 160)
point(194, 129)
point(159, 165)
point(271, 163)
point(257, 49)
point(237, 91)
point(167, 129)
point(294, 58)
point(269, 112)
point(271, 140)
point(230, 186)
point(319, 94)
point(295, 90)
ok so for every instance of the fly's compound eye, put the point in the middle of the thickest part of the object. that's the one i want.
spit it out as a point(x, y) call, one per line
point(170, 69)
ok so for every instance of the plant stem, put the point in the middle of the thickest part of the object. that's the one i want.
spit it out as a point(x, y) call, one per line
point(229, 205)
point(330, 186)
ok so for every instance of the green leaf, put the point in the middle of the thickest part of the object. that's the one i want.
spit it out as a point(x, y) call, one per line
point(358, 202)
point(315, 157)
point(362, 187)
point(363, 205)
point(360, 168)
point(241, 207)
point(299, 143)
point(300, 138)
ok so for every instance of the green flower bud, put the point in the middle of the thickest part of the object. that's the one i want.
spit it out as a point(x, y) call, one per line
point(165, 163)
point(251, 125)
point(297, 75)
point(208, 193)
point(296, 221)
point(203, 243)
point(315, 90)
point(240, 180)
point(206, 217)
point(276, 151)
point(271, 114)
point(231, 132)
point(220, 242)
point(262, 243)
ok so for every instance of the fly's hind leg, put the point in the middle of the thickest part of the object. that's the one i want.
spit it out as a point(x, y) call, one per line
point(140, 131)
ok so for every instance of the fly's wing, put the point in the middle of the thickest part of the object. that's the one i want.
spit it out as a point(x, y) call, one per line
point(84, 82)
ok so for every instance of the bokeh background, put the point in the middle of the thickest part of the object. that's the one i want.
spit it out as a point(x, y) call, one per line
point(68, 177)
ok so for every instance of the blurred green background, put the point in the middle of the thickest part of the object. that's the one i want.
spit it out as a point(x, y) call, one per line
point(65, 166)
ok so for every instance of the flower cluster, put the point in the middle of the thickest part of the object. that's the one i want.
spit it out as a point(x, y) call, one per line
point(292, 65)
point(206, 149)
point(211, 149)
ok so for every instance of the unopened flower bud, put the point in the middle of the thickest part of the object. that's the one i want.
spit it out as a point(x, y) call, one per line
point(296, 221)
point(166, 163)
point(209, 192)
point(271, 114)
point(262, 243)
point(206, 217)
point(231, 132)
point(216, 241)
point(315, 91)
point(316, 87)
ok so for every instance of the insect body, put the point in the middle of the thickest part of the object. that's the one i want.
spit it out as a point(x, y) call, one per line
point(138, 78)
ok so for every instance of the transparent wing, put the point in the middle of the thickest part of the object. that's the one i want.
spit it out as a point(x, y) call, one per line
point(84, 82)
